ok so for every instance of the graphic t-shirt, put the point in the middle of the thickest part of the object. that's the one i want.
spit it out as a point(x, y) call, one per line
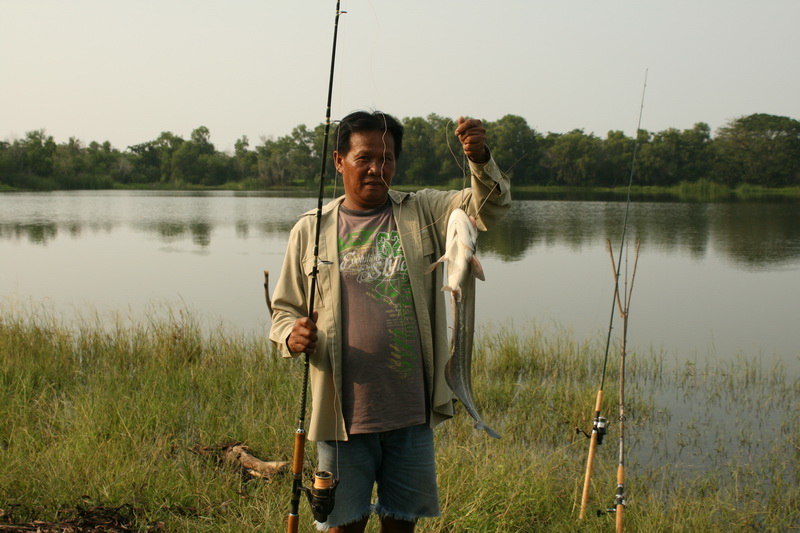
point(382, 373)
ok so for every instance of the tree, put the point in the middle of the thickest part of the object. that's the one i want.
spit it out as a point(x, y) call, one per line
point(658, 159)
point(302, 159)
point(759, 149)
point(153, 159)
point(201, 138)
point(615, 167)
point(38, 152)
point(105, 160)
point(166, 145)
point(447, 151)
point(70, 160)
point(245, 161)
point(672, 156)
point(574, 157)
point(418, 161)
point(289, 158)
point(196, 161)
point(696, 144)
point(517, 145)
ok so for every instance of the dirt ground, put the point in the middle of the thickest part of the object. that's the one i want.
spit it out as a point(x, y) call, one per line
point(107, 519)
point(80, 520)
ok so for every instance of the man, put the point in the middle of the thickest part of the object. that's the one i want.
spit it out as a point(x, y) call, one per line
point(378, 341)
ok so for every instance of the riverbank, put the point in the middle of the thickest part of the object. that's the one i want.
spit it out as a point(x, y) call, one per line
point(700, 191)
point(112, 418)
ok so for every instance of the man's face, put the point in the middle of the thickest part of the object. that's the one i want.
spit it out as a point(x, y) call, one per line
point(367, 169)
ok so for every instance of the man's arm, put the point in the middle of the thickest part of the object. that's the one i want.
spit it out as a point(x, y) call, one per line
point(292, 331)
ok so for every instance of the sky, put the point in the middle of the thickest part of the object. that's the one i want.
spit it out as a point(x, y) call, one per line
point(123, 72)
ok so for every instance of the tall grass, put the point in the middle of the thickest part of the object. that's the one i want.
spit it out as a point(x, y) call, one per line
point(112, 416)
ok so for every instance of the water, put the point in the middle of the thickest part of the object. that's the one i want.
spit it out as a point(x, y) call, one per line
point(712, 278)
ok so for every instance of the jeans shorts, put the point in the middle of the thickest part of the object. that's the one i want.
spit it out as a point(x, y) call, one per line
point(401, 462)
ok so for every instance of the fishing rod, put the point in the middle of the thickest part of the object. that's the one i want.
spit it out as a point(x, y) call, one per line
point(599, 422)
point(321, 494)
point(624, 310)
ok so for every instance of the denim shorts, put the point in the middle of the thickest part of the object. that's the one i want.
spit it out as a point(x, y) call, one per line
point(401, 462)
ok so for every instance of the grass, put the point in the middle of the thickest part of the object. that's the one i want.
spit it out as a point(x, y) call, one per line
point(97, 416)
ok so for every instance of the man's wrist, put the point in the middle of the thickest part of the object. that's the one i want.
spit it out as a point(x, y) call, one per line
point(487, 155)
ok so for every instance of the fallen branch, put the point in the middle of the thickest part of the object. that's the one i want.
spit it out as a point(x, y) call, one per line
point(237, 455)
point(266, 291)
point(253, 465)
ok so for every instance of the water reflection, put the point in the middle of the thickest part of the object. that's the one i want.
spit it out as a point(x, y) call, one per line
point(755, 235)
point(35, 233)
point(761, 235)
point(751, 235)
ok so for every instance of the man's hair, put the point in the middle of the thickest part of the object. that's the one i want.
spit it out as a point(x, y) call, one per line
point(359, 121)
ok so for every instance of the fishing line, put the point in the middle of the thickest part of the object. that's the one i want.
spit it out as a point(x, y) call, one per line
point(463, 167)
point(375, 42)
point(624, 232)
point(336, 176)
point(385, 149)
point(336, 169)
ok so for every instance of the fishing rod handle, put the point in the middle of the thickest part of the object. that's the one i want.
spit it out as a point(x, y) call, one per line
point(619, 499)
point(590, 458)
point(588, 477)
point(599, 403)
point(294, 522)
point(297, 479)
point(299, 452)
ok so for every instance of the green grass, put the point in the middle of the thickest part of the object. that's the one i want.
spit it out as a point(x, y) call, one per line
point(93, 415)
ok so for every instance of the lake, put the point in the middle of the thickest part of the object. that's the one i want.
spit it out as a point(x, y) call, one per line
point(712, 278)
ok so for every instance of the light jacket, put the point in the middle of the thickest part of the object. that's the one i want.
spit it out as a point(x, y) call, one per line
point(421, 219)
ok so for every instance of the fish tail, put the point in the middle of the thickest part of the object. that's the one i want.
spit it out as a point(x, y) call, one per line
point(477, 268)
point(492, 433)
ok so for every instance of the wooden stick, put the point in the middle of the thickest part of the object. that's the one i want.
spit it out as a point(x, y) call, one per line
point(266, 291)
point(238, 455)
point(253, 465)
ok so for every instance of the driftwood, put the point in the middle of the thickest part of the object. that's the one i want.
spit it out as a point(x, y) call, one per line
point(237, 455)
point(253, 465)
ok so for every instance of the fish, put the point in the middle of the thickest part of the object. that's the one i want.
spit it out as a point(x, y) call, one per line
point(463, 268)
point(459, 253)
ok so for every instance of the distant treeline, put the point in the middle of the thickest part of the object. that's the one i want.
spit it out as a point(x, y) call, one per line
point(759, 149)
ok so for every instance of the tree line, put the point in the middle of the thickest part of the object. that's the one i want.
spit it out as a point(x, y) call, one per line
point(759, 149)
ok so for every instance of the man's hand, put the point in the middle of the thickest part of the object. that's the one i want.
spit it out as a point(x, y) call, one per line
point(303, 337)
point(472, 135)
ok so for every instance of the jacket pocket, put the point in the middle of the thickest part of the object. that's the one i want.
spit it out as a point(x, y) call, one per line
point(428, 258)
point(308, 269)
